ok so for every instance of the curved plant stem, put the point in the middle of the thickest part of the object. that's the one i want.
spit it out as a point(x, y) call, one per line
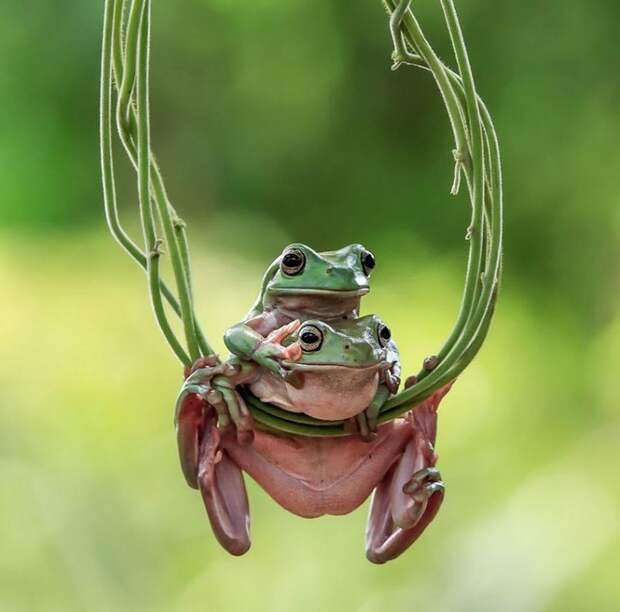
point(464, 151)
point(126, 123)
point(111, 19)
point(152, 244)
point(485, 190)
point(105, 133)
point(160, 195)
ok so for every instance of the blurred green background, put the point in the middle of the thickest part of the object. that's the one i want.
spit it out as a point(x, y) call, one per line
point(281, 121)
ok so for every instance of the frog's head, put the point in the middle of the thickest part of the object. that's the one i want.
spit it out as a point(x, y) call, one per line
point(302, 270)
point(324, 284)
point(353, 343)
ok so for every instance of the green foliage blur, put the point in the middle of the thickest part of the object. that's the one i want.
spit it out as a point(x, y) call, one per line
point(281, 121)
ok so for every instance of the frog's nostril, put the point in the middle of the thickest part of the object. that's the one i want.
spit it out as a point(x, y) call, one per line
point(329, 269)
point(347, 347)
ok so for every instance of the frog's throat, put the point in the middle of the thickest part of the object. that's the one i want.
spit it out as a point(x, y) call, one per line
point(307, 304)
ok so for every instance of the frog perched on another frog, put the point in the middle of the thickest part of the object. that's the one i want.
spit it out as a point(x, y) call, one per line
point(334, 370)
point(301, 284)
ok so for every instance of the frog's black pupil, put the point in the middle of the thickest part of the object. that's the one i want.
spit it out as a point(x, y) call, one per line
point(309, 337)
point(385, 332)
point(369, 261)
point(292, 260)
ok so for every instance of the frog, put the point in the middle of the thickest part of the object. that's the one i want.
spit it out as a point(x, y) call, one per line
point(344, 368)
point(300, 284)
point(336, 368)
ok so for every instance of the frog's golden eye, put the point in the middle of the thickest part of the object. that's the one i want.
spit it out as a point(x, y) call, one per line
point(310, 338)
point(384, 334)
point(368, 262)
point(293, 262)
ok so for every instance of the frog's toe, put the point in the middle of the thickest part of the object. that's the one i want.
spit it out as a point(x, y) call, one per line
point(424, 483)
point(216, 399)
point(237, 413)
point(366, 427)
point(428, 490)
point(272, 365)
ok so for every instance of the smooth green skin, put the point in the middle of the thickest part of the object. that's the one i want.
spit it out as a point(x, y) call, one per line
point(331, 274)
point(351, 343)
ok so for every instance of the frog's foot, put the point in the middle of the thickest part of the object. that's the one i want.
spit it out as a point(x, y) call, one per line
point(402, 507)
point(209, 361)
point(224, 494)
point(231, 409)
point(365, 423)
point(361, 426)
point(422, 486)
point(215, 385)
point(270, 353)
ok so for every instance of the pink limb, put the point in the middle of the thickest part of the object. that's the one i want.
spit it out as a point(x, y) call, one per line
point(224, 494)
point(409, 496)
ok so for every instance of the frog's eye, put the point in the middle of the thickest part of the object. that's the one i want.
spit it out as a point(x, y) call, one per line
point(310, 338)
point(293, 262)
point(384, 334)
point(368, 262)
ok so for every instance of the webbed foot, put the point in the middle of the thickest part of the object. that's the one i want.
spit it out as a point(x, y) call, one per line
point(423, 485)
point(215, 385)
point(210, 388)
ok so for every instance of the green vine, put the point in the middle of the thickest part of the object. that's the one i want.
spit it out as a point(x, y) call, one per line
point(125, 78)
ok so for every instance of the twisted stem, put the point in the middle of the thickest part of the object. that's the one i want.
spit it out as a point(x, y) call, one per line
point(476, 154)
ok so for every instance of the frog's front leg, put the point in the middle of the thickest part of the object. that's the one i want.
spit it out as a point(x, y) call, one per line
point(410, 495)
point(366, 422)
point(246, 340)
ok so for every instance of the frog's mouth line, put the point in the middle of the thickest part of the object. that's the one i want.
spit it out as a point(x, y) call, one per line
point(314, 291)
point(309, 367)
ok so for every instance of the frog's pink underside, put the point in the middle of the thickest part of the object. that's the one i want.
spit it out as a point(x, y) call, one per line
point(315, 476)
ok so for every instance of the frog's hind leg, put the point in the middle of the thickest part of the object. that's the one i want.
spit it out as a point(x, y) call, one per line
point(190, 419)
point(410, 495)
point(223, 491)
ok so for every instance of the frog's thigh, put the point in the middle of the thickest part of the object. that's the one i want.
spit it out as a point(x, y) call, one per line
point(312, 477)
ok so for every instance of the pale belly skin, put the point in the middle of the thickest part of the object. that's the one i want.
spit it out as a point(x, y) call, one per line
point(312, 477)
point(355, 389)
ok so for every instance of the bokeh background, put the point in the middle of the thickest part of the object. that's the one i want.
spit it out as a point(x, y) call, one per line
point(281, 121)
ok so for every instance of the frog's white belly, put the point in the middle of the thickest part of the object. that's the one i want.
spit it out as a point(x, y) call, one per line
point(335, 394)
